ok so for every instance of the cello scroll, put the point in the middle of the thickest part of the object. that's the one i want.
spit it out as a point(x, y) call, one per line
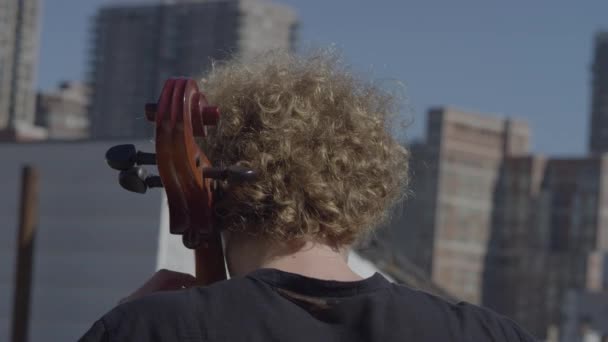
point(182, 114)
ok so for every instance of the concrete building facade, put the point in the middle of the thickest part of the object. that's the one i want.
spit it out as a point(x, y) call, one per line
point(549, 235)
point(19, 37)
point(63, 111)
point(449, 217)
point(469, 149)
point(410, 231)
point(497, 226)
point(135, 48)
point(515, 275)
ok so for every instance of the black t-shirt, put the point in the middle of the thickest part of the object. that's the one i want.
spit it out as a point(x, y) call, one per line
point(271, 305)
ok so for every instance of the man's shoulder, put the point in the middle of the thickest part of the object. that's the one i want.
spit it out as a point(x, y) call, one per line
point(462, 319)
point(138, 319)
point(189, 300)
point(153, 314)
point(159, 313)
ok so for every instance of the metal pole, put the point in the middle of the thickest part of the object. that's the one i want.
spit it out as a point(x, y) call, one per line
point(28, 220)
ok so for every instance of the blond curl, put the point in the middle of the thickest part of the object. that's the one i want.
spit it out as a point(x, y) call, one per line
point(317, 136)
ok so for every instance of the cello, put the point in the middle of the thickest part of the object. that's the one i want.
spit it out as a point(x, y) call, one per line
point(181, 116)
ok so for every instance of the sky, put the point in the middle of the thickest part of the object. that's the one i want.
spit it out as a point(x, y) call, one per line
point(523, 59)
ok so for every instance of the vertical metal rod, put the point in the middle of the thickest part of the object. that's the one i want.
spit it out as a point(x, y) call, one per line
point(28, 220)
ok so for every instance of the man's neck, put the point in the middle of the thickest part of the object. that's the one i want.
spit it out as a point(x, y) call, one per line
point(310, 259)
point(315, 261)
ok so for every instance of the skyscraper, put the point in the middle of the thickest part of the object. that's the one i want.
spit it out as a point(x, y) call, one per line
point(550, 234)
point(19, 35)
point(598, 139)
point(135, 48)
point(498, 226)
point(446, 225)
point(514, 280)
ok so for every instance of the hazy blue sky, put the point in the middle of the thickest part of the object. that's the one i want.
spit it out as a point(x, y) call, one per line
point(521, 58)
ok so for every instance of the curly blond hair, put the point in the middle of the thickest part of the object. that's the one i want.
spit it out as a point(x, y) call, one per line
point(317, 136)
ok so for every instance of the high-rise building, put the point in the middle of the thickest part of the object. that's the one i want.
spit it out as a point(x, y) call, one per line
point(514, 274)
point(19, 35)
point(63, 111)
point(136, 47)
point(550, 235)
point(497, 226)
point(449, 217)
point(469, 150)
point(411, 231)
point(598, 138)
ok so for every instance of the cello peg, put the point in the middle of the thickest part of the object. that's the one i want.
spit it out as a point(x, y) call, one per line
point(192, 239)
point(124, 157)
point(136, 179)
point(239, 174)
point(202, 115)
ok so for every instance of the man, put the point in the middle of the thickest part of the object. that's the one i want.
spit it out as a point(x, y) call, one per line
point(328, 171)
